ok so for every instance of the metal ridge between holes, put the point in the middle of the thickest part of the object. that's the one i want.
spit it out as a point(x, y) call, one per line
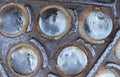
point(100, 60)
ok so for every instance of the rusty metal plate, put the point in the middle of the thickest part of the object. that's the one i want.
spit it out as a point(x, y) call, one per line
point(59, 38)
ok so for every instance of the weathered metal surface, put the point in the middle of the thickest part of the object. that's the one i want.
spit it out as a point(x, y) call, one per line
point(76, 53)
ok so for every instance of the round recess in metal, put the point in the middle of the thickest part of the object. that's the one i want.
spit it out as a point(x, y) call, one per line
point(13, 19)
point(72, 60)
point(95, 26)
point(24, 59)
point(54, 21)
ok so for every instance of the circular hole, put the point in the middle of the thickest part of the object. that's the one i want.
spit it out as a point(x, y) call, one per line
point(117, 50)
point(27, 60)
point(107, 73)
point(98, 25)
point(13, 19)
point(72, 60)
point(24, 59)
point(54, 21)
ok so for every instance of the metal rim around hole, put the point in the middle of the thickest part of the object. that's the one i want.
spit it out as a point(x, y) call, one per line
point(26, 17)
point(75, 45)
point(65, 12)
point(39, 59)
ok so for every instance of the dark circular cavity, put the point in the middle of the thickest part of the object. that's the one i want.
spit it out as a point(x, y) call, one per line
point(72, 60)
point(11, 20)
point(24, 60)
point(53, 22)
point(98, 25)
